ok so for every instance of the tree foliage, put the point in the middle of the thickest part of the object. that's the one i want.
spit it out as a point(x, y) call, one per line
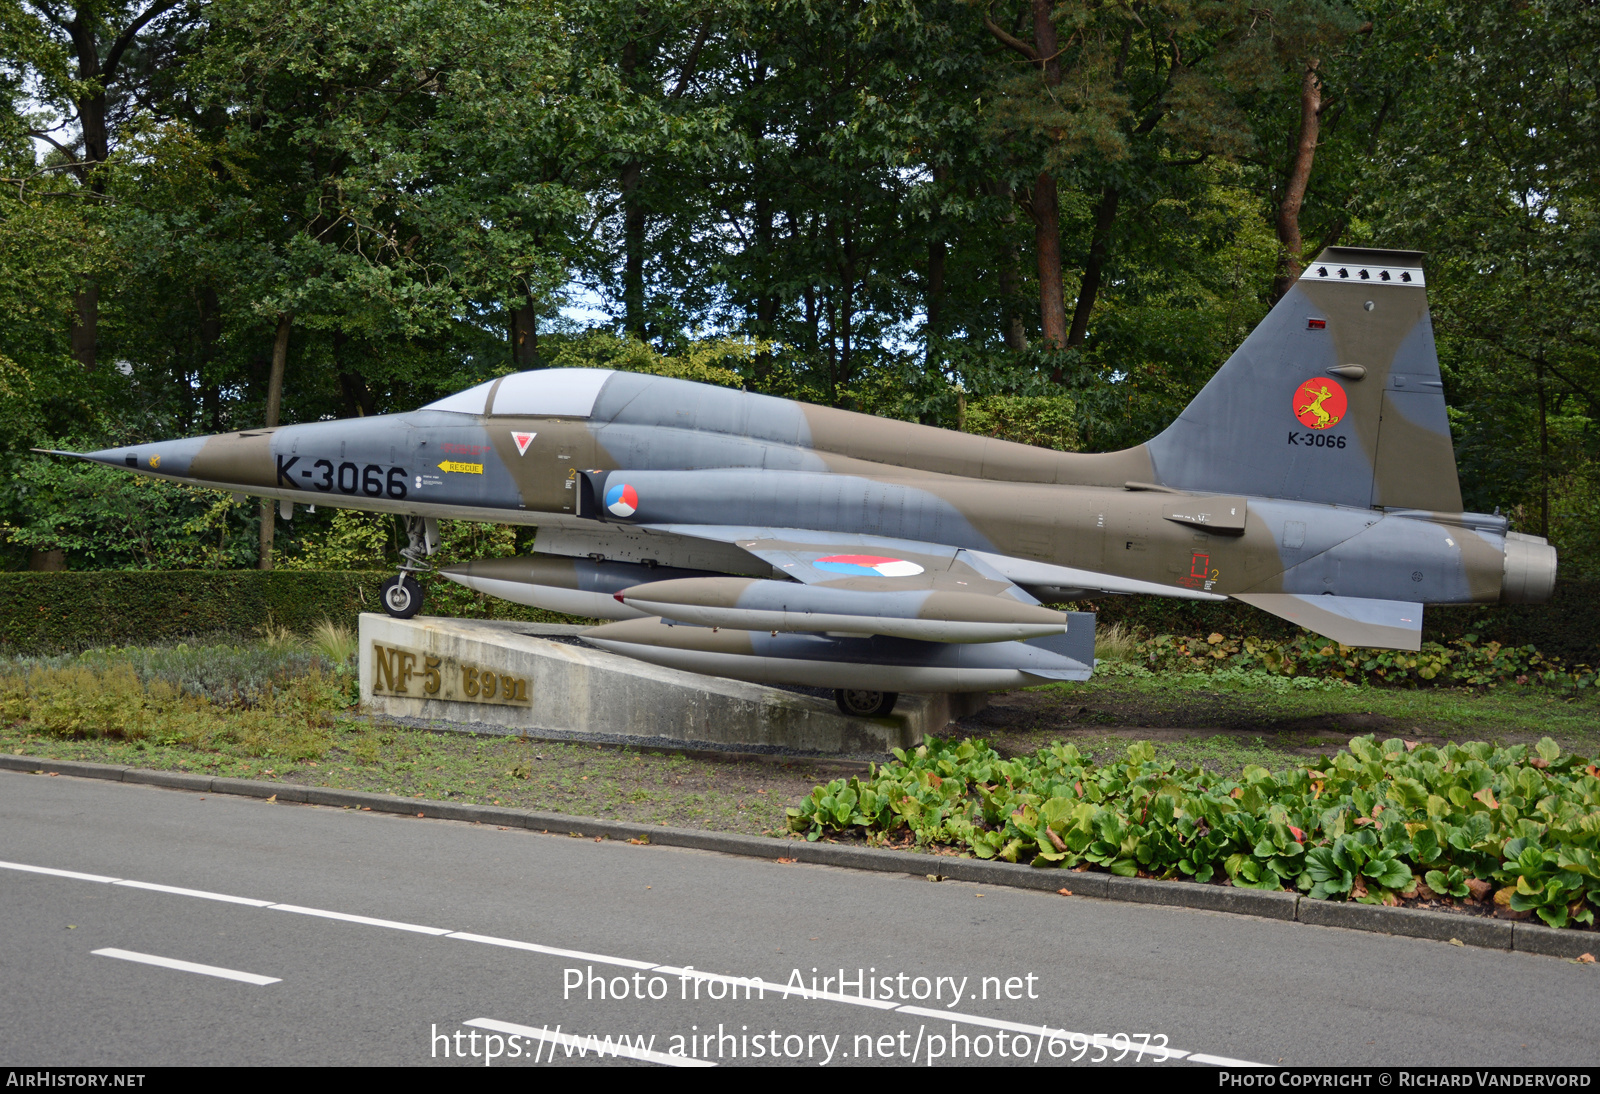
point(1048, 220)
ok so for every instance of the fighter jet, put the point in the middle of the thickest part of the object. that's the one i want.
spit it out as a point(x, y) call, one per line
point(773, 541)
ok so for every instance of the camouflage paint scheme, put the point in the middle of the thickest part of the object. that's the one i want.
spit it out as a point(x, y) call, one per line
point(1312, 477)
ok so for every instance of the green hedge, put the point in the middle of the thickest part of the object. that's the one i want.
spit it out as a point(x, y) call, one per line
point(1567, 627)
point(49, 612)
point(42, 612)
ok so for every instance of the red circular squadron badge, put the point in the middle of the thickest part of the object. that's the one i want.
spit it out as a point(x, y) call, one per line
point(1319, 403)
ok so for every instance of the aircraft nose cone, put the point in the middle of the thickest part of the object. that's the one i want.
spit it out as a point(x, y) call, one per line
point(144, 457)
point(161, 458)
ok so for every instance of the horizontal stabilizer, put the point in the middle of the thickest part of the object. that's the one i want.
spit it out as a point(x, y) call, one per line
point(1348, 620)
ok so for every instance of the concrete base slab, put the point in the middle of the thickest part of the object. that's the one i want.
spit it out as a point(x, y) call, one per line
point(503, 674)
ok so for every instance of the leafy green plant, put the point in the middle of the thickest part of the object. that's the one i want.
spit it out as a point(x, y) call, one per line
point(1461, 662)
point(1362, 825)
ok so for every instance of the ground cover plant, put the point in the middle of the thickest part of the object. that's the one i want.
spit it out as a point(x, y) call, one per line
point(1460, 662)
point(1373, 823)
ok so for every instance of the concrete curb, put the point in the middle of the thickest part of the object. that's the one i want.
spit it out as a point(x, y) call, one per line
point(1479, 931)
point(1494, 934)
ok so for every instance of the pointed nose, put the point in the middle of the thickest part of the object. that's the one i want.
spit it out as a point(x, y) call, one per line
point(162, 458)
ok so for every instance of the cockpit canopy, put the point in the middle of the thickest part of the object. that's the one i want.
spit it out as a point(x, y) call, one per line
point(544, 393)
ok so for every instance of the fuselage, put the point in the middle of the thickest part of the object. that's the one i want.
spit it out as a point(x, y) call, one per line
point(549, 451)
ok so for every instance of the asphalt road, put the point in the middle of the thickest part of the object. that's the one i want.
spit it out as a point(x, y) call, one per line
point(398, 991)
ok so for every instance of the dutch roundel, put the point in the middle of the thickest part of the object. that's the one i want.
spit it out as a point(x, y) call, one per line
point(868, 566)
point(622, 500)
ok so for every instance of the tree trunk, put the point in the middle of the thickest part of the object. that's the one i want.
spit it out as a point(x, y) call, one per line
point(358, 401)
point(1105, 215)
point(1047, 240)
point(1043, 204)
point(1294, 190)
point(933, 301)
point(833, 349)
point(633, 319)
point(47, 559)
point(1046, 206)
point(525, 336)
point(210, 334)
point(813, 318)
point(85, 324)
point(847, 313)
point(633, 227)
point(96, 149)
point(280, 356)
point(1012, 329)
point(1544, 456)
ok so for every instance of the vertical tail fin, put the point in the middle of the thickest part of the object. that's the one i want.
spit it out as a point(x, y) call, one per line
point(1335, 397)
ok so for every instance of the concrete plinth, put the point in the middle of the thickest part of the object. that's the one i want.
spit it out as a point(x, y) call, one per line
point(504, 674)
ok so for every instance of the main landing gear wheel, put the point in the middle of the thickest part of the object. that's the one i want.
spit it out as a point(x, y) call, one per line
point(401, 596)
point(855, 703)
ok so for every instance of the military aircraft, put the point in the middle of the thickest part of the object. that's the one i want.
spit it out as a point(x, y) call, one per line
point(768, 540)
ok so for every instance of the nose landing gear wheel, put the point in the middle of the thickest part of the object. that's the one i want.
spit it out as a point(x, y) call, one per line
point(401, 596)
point(855, 703)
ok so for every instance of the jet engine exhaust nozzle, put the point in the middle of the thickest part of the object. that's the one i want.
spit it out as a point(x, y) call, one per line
point(1530, 572)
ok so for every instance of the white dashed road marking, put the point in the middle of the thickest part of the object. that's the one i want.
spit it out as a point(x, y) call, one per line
point(187, 966)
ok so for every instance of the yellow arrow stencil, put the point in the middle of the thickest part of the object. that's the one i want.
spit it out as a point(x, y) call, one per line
point(464, 468)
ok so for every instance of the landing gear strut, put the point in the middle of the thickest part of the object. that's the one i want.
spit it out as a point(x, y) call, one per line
point(855, 703)
point(402, 595)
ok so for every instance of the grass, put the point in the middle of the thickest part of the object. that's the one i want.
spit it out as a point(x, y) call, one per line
point(1226, 720)
point(649, 788)
point(1535, 711)
point(1115, 643)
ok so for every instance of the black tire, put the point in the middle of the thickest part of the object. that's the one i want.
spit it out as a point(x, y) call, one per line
point(856, 703)
point(401, 596)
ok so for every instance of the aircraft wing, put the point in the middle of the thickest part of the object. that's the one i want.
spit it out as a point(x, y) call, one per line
point(871, 612)
point(825, 558)
point(903, 612)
